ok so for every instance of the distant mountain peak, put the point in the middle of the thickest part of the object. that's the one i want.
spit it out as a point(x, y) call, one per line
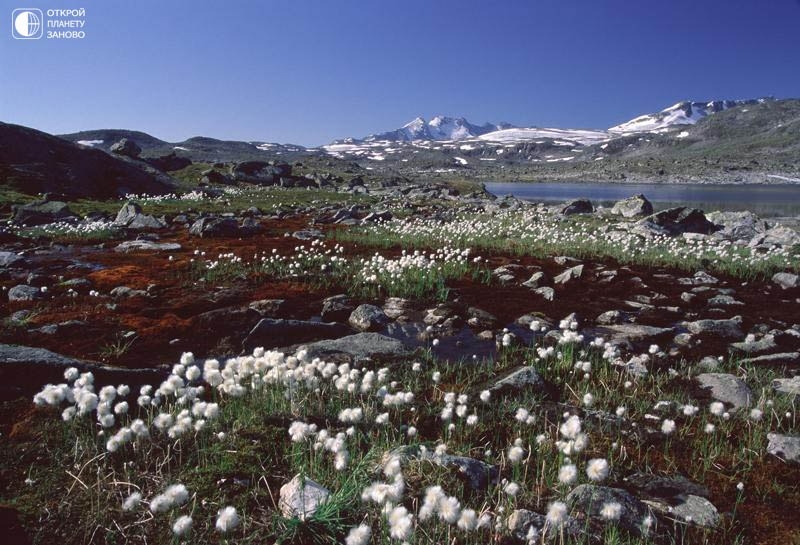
point(440, 127)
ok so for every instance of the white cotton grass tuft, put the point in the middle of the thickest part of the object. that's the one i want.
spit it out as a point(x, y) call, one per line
point(667, 426)
point(468, 521)
point(556, 514)
point(567, 474)
point(597, 469)
point(360, 535)
point(182, 526)
point(132, 501)
point(227, 519)
point(611, 510)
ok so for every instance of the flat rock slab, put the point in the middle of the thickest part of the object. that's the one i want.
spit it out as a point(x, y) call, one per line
point(24, 370)
point(785, 447)
point(10, 259)
point(522, 520)
point(359, 347)
point(786, 280)
point(726, 388)
point(526, 379)
point(691, 509)
point(781, 358)
point(728, 329)
point(301, 497)
point(787, 386)
point(147, 246)
point(476, 474)
point(589, 499)
point(275, 332)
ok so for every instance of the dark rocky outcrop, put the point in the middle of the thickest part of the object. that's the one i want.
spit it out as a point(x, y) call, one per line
point(42, 212)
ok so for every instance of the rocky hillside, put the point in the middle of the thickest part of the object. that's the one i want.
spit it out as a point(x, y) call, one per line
point(35, 162)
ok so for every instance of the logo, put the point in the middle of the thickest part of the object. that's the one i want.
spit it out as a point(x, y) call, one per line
point(27, 24)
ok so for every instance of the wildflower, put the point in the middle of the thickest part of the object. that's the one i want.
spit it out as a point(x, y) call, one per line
point(437, 376)
point(468, 520)
point(449, 510)
point(621, 411)
point(182, 526)
point(653, 349)
point(709, 428)
point(512, 489)
point(690, 410)
point(611, 510)
point(177, 493)
point(360, 535)
point(516, 454)
point(740, 486)
point(472, 420)
point(597, 469)
point(716, 408)
point(400, 523)
point(567, 474)
point(485, 396)
point(132, 501)
point(227, 519)
point(588, 399)
point(556, 513)
point(756, 414)
point(667, 426)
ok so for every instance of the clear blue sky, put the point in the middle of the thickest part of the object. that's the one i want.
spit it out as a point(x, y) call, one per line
point(311, 71)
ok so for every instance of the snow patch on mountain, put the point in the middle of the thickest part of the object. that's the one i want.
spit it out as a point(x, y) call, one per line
point(682, 113)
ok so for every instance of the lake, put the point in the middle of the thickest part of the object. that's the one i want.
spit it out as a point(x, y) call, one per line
point(765, 200)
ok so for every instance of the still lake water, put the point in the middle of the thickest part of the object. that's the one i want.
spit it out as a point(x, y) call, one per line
point(765, 200)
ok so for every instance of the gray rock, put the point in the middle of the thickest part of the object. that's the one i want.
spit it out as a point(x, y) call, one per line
point(268, 308)
point(631, 334)
point(127, 213)
point(126, 147)
point(125, 291)
point(278, 332)
point(780, 358)
point(699, 278)
point(676, 221)
point(146, 246)
point(215, 227)
point(577, 206)
point(546, 292)
point(689, 509)
point(727, 329)
point(566, 260)
point(521, 521)
point(638, 205)
point(764, 345)
point(723, 301)
point(726, 388)
point(476, 474)
point(358, 347)
point(787, 386)
point(537, 280)
point(737, 226)
point(590, 499)
point(573, 273)
point(144, 222)
point(308, 234)
point(525, 379)
point(480, 319)
point(661, 487)
point(372, 217)
point(779, 235)
point(786, 280)
point(785, 447)
point(260, 172)
point(301, 497)
point(337, 308)
point(397, 307)
point(10, 259)
point(508, 274)
point(613, 317)
point(23, 292)
point(708, 364)
point(25, 370)
point(368, 318)
point(41, 212)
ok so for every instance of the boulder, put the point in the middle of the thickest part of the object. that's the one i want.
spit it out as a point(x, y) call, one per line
point(358, 347)
point(126, 147)
point(727, 329)
point(368, 318)
point(476, 474)
point(269, 308)
point(589, 499)
point(214, 177)
point(676, 221)
point(41, 213)
point(577, 206)
point(537, 280)
point(689, 509)
point(638, 205)
point(260, 172)
point(337, 308)
point(278, 332)
point(524, 380)
point(146, 246)
point(737, 226)
point(786, 280)
point(573, 273)
point(523, 524)
point(777, 236)
point(23, 292)
point(726, 388)
point(301, 497)
point(785, 447)
point(787, 386)
point(10, 259)
point(210, 226)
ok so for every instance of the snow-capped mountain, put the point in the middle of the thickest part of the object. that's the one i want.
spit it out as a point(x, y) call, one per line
point(439, 128)
point(682, 113)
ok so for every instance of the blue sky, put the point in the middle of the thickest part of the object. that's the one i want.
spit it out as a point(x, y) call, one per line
point(311, 71)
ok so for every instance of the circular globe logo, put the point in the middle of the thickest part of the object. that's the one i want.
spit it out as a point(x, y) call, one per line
point(27, 24)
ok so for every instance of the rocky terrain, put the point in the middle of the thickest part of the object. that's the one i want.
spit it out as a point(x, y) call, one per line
point(545, 371)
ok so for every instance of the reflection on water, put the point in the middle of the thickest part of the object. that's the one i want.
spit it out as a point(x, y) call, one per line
point(764, 200)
